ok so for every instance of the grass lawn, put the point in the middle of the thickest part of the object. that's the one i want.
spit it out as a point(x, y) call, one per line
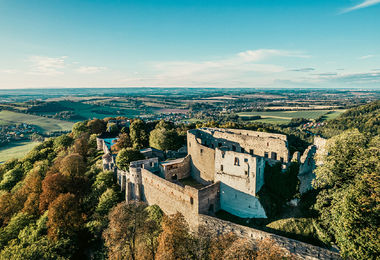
point(15, 150)
point(44, 124)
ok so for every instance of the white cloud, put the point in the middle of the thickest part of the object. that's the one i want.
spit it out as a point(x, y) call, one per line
point(366, 57)
point(244, 69)
point(365, 3)
point(90, 69)
point(8, 71)
point(48, 66)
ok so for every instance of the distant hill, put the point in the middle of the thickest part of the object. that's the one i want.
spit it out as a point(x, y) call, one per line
point(365, 118)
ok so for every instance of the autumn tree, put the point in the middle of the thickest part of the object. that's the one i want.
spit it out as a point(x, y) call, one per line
point(96, 126)
point(72, 165)
point(52, 186)
point(125, 228)
point(124, 141)
point(64, 216)
point(175, 241)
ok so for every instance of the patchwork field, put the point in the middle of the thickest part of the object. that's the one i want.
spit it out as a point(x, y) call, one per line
point(15, 150)
point(284, 117)
point(44, 124)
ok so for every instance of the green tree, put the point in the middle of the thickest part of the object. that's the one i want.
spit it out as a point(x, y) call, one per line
point(138, 134)
point(163, 139)
point(107, 201)
point(127, 155)
point(348, 201)
point(79, 128)
point(62, 142)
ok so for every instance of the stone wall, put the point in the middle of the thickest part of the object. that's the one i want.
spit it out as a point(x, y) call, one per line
point(274, 146)
point(239, 170)
point(170, 197)
point(209, 200)
point(302, 250)
point(202, 159)
point(177, 169)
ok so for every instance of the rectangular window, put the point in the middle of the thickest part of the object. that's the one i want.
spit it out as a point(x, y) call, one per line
point(245, 160)
point(246, 172)
point(221, 167)
point(281, 160)
point(201, 151)
point(266, 154)
point(251, 151)
point(273, 155)
point(236, 161)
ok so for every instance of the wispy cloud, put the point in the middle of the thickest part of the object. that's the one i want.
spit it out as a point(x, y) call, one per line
point(364, 4)
point(8, 71)
point(366, 57)
point(247, 66)
point(90, 69)
point(48, 66)
point(303, 70)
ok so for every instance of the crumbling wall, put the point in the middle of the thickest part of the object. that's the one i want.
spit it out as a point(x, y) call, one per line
point(170, 197)
point(274, 146)
point(300, 249)
point(202, 159)
point(177, 169)
point(238, 170)
point(208, 197)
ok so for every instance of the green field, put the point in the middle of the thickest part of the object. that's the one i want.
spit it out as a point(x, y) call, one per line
point(44, 124)
point(284, 117)
point(16, 150)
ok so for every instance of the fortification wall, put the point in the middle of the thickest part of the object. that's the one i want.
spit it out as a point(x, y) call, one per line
point(170, 197)
point(262, 144)
point(176, 169)
point(209, 199)
point(238, 170)
point(302, 250)
point(202, 159)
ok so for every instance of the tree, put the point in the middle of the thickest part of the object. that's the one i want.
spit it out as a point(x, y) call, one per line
point(64, 217)
point(138, 134)
point(125, 227)
point(72, 165)
point(81, 145)
point(152, 230)
point(62, 142)
point(175, 241)
point(15, 225)
point(127, 155)
point(107, 201)
point(79, 128)
point(11, 177)
point(349, 194)
point(52, 186)
point(163, 139)
point(124, 141)
point(96, 126)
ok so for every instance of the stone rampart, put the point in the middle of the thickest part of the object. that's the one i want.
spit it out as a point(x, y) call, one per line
point(202, 159)
point(170, 197)
point(302, 250)
point(176, 169)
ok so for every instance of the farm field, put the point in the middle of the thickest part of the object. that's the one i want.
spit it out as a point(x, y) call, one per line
point(15, 150)
point(284, 117)
point(44, 124)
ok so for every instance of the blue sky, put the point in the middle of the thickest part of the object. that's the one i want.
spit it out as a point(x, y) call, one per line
point(191, 43)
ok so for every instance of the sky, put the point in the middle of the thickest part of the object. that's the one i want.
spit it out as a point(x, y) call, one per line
point(190, 43)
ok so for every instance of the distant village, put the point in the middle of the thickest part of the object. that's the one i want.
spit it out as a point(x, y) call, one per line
point(16, 132)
